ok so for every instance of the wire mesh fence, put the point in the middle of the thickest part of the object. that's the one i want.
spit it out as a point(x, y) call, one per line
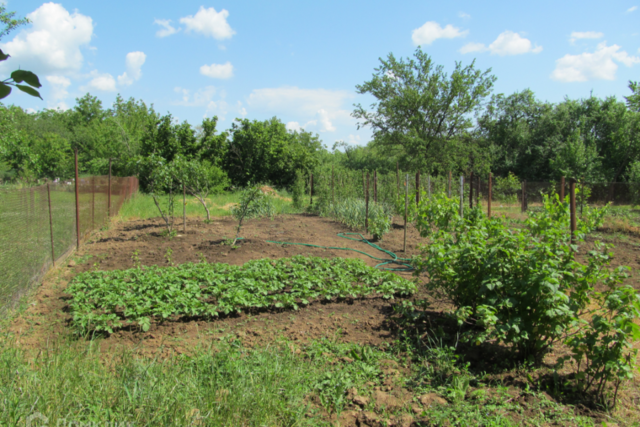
point(38, 226)
point(508, 195)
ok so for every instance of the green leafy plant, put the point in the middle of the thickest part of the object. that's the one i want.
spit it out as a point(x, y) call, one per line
point(525, 288)
point(168, 256)
point(107, 300)
point(253, 204)
point(352, 213)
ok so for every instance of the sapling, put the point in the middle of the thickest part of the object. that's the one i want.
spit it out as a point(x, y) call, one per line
point(248, 198)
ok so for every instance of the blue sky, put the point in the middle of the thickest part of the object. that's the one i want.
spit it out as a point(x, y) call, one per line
point(300, 61)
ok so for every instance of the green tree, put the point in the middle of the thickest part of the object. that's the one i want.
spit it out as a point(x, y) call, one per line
point(200, 178)
point(420, 112)
point(577, 159)
point(267, 152)
point(633, 100)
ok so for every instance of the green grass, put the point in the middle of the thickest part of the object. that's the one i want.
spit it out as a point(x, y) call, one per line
point(230, 385)
point(142, 206)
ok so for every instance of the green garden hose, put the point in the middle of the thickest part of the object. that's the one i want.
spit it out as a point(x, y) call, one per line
point(393, 260)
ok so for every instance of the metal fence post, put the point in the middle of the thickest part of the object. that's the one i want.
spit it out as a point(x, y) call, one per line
point(572, 201)
point(77, 202)
point(462, 197)
point(53, 254)
point(471, 191)
point(311, 190)
point(449, 190)
point(375, 186)
point(109, 193)
point(184, 209)
point(417, 188)
point(406, 207)
point(366, 207)
point(93, 203)
point(489, 198)
point(562, 190)
point(429, 186)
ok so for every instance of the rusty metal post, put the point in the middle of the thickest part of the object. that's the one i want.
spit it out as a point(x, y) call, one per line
point(184, 209)
point(523, 203)
point(375, 186)
point(366, 207)
point(572, 202)
point(311, 190)
point(53, 254)
point(417, 188)
point(406, 207)
point(489, 197)
point(77, 202)
point(333, 193)
point(462, 197)
point(398, 176)
point(562, 190)
point(471, 191)
point(109, 194)
point(93, 203)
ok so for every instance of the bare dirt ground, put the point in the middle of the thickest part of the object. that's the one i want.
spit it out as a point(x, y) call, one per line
point(365, 321)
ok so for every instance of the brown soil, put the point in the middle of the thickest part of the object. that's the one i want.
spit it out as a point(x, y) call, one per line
point(361, 321)
point(364, 321)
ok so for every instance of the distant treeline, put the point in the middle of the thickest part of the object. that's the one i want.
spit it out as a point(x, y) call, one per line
point(595, 139)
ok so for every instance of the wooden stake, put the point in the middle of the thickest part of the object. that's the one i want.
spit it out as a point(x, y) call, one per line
point(109, 193)
point(462, 197)
point(406, 207)
point(471, 191)
point(184, 209)
point(562, 190)
point(311, 190)
point(449, 191)
point(417, 188)
point(489, 198)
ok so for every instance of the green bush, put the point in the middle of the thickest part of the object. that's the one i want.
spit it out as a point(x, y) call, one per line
point(525, 288)
point(506, 189)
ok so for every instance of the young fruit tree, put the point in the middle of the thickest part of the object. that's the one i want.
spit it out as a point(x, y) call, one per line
point(200, 179)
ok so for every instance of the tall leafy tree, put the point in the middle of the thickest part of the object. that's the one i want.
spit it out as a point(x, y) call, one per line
point(421, 112)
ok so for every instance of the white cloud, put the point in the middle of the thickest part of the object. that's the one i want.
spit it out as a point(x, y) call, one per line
point(507, 43)
point(631, 9)
point(217, 71)
point(167, 28)
point(473, 47)
point(577, 35)
point(354, 139)
point(134, 62)
point(204, 97)
point(599, 65)
point(293, 126)
point(291, 99)
point(431, 31)
point(464, 15)
point(510, 43)
point(325, 120)
point(103, 82)
point(59, 85)
point(243, 112)
point(209, 23)
point(52, 44)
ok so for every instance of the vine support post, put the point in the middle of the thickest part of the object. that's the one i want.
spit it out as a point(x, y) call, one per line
point(398, 176)
point(311, 190)
point(53, 254)
point(406, 207)
point(417, 188)
point(366, 206)
point(572, 202)
point(449, 185)
point(109, 193)
point(462, 197)
point(429, 186)
point(471, 191)
point(93, 203)
point(184, 209)
point(75, 153)
point(489, 197)
point(375, 186)
point(333, 193)
point(562, 190)
point(523, 205)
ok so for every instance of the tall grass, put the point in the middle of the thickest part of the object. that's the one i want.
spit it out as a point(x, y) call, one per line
point(230, 386)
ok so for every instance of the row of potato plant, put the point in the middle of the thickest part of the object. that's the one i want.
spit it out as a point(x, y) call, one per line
point(108, 300)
